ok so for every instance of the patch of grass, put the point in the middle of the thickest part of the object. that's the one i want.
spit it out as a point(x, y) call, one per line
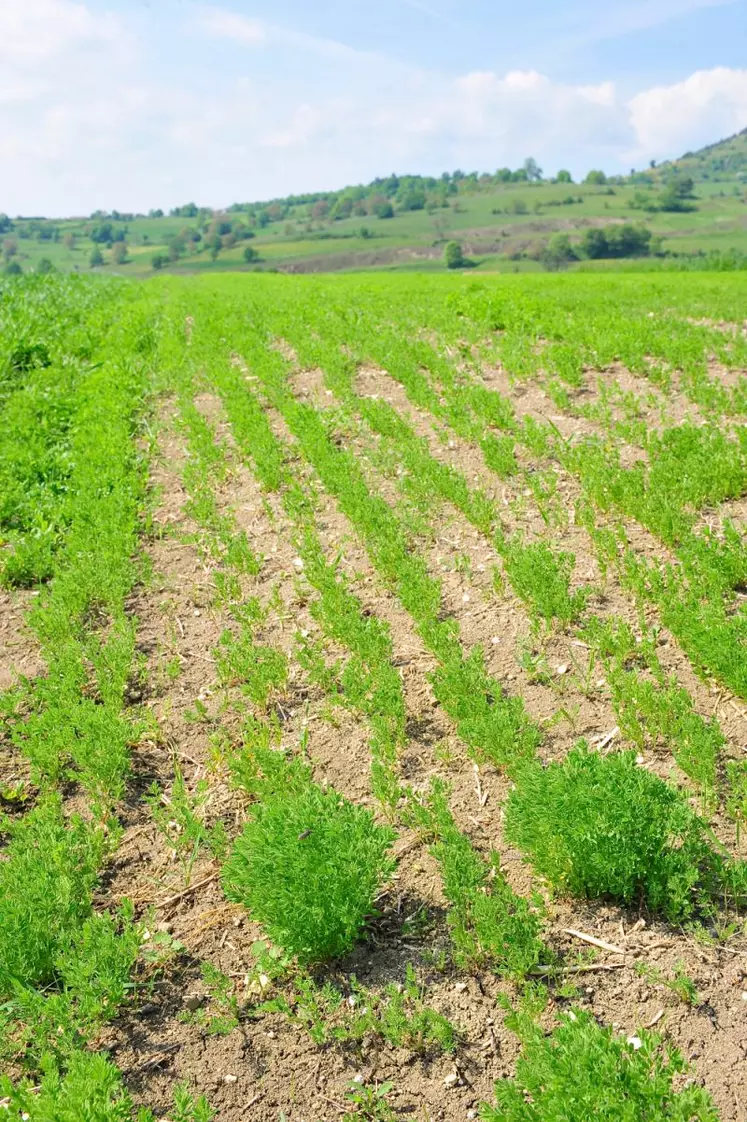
point(308, 864)
point(541, 577)
point(600, 826)
point(489, 923)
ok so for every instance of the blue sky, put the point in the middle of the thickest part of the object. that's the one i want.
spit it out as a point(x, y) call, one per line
point(140, 103)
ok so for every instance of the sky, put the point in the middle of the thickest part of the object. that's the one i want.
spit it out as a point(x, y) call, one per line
point(136, 104)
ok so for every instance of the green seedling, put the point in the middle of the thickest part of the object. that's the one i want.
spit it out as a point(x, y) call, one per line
point(370, 1104)
point(680, 984)
point(180, 818)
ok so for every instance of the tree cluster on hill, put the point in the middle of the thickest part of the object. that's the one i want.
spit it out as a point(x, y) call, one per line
point(618, 240)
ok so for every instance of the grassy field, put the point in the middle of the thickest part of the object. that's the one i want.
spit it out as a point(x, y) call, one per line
point(373, 698)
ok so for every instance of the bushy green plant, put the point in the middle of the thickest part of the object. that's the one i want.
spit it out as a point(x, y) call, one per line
point(582, 1071)
point(47, 877)
point(308, 864)
point(598, 825)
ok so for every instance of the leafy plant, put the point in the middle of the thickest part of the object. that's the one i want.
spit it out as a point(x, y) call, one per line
point(370, 1104)
point(598, 825)
point(583, 1070)
point(309, 863)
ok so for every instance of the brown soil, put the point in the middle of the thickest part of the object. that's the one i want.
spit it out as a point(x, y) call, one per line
point(268, 1068)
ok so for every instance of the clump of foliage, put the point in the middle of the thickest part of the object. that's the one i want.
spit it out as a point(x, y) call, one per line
point(309, 863)
point(598, 825)
point(583, 1071)
point(47, 877)
point(454, 256)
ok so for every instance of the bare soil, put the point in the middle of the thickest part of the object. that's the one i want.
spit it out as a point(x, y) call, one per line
point(268, 1068)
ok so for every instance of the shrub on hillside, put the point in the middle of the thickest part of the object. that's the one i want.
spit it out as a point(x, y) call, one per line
point(603, 826)
point(309, 863)
point(453, 256)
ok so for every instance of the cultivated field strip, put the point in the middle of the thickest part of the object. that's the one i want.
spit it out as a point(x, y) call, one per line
point(376, 747)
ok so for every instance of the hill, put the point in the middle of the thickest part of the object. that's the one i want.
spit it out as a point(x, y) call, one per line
point(517, 220)
point(725, 160)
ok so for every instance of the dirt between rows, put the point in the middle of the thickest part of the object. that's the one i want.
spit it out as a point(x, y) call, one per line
point(267, 1068)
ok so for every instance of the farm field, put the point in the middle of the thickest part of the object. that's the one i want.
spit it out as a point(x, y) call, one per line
point(373, 698)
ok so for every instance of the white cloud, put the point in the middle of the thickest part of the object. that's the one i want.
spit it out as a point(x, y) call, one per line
point(90, 116)
point(230, 25)
point(708, 105)
point(33, 30)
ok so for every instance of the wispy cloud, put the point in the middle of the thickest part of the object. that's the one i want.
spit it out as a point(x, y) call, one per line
point(613, 21)
point(222, 24)
point(426, 9)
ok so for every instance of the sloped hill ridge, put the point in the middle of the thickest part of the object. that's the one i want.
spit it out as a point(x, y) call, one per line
point(722, 160)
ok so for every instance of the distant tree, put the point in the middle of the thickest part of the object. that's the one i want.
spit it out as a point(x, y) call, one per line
point(102, 233)
point(45, 266)
point(5, 224)
point(155, 213)
point(533, 170)
point(13, 269)
point(563, 176)
point(594, 243)
point(189, 210)
point(624, 240)
point(10, 247)
point(413, 198)
point(69, 240)
point(628, 240)
point(517, 206)
point(595, 178)
point(96, 258)
point(214, 245)
point(677, 193)
point(519, 176)
point(250, 254)
point(558, 253)
point(119, 253)
point(158, 261)
point(364, 232)
point(320, 210)
point(453, 255)
point(380, 207)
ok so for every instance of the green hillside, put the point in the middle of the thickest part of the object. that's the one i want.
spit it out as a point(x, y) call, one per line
point(725, 160)
point(685, 213)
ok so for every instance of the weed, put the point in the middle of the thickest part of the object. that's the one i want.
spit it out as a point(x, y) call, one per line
point(370, 1104)
point(221, 994)
point(583, 1070)
point(309, 863)
point(680, 984)
point(180, 819)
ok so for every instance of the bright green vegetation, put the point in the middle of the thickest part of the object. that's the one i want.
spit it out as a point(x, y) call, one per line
point(489, 923)
point(602, 826)
point(691, 211)
point(390, 424)
point(584, 1071)
point(309, 863)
